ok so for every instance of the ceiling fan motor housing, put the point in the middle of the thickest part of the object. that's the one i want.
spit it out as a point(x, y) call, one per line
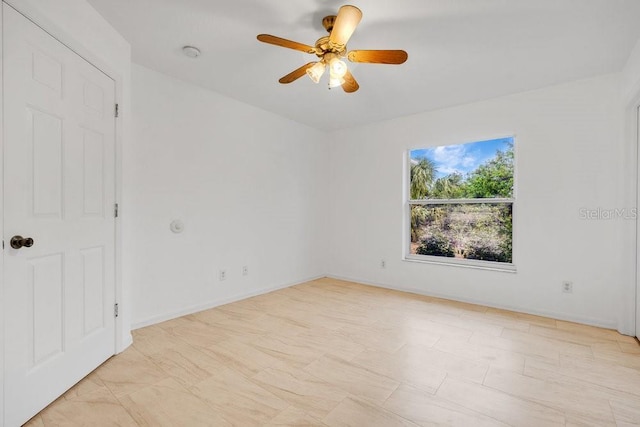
point(328, 21)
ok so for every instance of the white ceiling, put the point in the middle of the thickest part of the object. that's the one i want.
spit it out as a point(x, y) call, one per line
point(459, 50)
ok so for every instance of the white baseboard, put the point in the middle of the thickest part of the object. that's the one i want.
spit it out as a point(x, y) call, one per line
point(215, 303)
point(601, 323)
point(125, 344)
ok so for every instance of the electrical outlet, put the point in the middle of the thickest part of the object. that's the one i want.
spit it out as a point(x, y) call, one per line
point(567, 287)
point(223, 274)
point(383, 263)
point(245, 270)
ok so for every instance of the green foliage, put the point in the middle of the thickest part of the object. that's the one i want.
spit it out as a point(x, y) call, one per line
point(487, 250)
point(506, 234)
point(418, 219)
point(436, 244)
point(449, 187)
point(471, 231)
point(494, 178)
point(423, 174)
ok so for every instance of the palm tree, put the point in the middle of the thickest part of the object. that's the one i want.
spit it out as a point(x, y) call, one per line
point(448, 187)
point(423, 173)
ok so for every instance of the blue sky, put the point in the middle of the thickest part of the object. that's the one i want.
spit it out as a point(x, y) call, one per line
point(461, 158)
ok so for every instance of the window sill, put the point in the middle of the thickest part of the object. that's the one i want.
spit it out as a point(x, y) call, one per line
point(478, 265)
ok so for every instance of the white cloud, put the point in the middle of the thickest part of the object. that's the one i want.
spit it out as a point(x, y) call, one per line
point(449, 171)
point(448, 154)
point(453, 159)
point(469, 161)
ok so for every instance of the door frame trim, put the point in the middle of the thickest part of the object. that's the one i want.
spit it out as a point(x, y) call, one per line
point(630, 294)
point(636, 292)
point(122, 338)
point(2, 310)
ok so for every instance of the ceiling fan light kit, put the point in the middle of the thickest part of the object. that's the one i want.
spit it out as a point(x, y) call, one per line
point(330, 49)
point(336, 81)
point(316, 71)
point(337, 68)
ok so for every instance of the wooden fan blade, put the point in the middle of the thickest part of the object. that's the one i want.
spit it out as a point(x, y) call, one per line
point(350, 84)
point(378, 56)
point(278, 41)
point(346, 22)
point(296, 74)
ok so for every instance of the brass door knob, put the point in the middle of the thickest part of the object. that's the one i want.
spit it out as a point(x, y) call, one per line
point(18, 242)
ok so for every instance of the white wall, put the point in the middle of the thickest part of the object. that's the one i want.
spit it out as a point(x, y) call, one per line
point(77, 23)
point(631, 74)
point(569, 148)
point(249, 186)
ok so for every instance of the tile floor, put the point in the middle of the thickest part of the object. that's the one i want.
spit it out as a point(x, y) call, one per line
point(334, 353)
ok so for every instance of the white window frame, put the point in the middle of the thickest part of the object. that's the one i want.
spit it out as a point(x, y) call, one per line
point(432, 259)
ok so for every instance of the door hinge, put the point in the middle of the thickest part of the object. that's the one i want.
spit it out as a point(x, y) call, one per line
point(117, 110)
point(115, 210)
point(115, 310)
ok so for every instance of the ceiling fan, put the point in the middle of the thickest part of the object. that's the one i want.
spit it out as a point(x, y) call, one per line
point(330, 49)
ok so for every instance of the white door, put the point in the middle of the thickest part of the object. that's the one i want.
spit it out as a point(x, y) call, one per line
point(59, 149)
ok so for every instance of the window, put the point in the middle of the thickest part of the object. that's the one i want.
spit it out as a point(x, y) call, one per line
point(460, 203)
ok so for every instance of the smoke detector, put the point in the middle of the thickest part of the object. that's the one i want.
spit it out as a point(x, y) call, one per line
point(191, 51)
